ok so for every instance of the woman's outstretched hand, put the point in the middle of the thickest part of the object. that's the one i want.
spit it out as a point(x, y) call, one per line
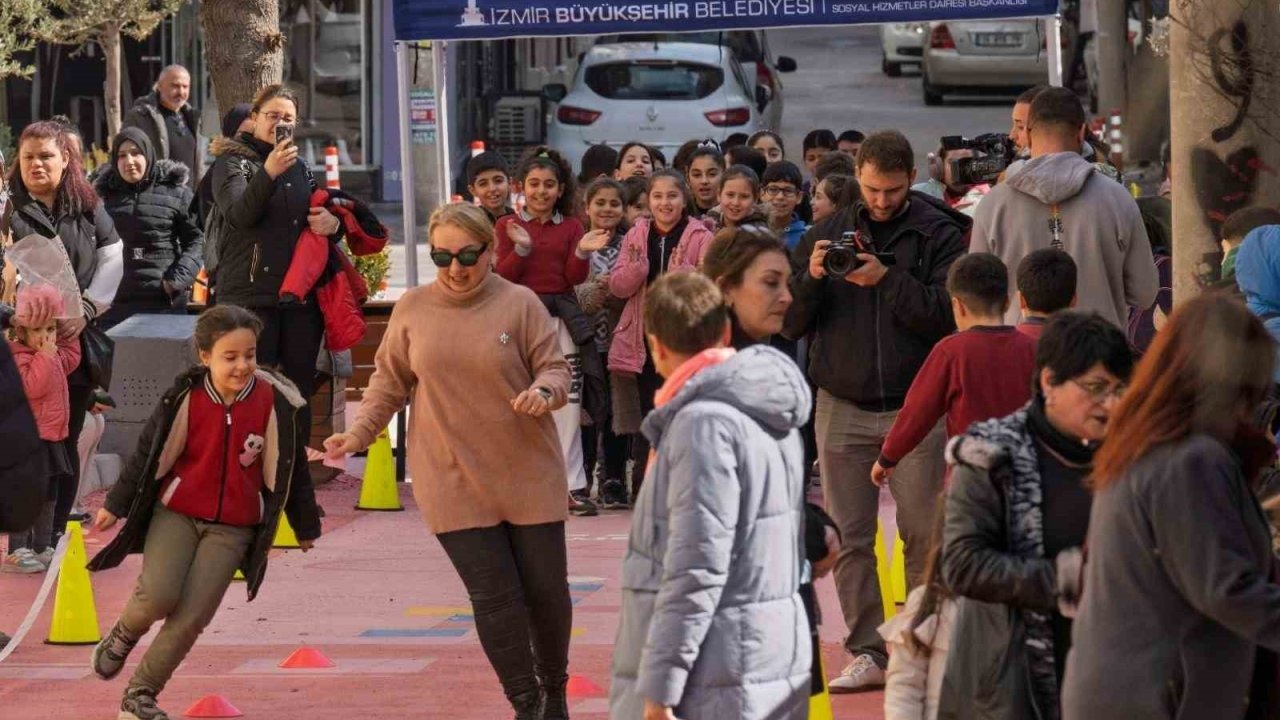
point(340, 445)
point(531, 403)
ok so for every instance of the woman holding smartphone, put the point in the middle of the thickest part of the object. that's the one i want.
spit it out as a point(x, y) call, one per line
point(263, 190)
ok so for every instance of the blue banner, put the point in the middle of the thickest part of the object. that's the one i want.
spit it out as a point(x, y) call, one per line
point(493, 19)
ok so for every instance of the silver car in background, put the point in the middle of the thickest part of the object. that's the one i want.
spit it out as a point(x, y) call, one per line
point(981, 56)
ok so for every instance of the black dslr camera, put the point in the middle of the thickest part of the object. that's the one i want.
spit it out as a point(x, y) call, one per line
point(842, 255)
point(992, 153)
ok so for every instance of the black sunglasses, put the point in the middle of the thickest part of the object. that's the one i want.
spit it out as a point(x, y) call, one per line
point(465, 258)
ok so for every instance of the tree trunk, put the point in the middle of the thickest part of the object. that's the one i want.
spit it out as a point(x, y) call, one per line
point(110, 41)
point(1225, 126)
point(244, 48)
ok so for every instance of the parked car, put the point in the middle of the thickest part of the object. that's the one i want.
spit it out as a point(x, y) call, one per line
point(901, 44)
point(983, 56)
point(751, 47)
point(659, 93)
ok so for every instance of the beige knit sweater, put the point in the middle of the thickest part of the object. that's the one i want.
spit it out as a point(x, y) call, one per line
point(459, 359)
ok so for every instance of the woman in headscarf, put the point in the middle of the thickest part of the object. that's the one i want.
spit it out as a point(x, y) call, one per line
point(150, 204)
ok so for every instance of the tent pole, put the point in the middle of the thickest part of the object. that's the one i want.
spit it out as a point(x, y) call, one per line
point(443, 146)
point(407, 180)
point(1054, 27)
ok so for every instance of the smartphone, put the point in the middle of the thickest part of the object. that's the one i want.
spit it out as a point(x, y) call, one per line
point(284, 131)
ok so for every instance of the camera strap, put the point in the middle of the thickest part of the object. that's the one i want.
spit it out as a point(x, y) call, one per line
point(1055, 226)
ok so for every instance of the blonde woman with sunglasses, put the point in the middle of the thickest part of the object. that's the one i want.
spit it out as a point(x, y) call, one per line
point(476, 359)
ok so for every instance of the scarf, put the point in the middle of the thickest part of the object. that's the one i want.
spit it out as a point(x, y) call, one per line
point(683, 374)
point(1006, 450)
point(1072, 450)
point(1229, 263)
point(686, 372)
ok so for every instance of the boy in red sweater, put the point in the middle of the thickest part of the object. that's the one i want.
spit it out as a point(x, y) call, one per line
point(1046, 284)
point(981, 372)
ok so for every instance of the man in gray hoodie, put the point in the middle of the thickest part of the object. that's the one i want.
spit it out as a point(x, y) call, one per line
point(1059, 200)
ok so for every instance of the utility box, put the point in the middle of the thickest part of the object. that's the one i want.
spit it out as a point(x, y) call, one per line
point(516, 125)
point(151, 350)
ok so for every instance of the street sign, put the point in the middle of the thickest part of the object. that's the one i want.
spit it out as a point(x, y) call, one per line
point(493, 19)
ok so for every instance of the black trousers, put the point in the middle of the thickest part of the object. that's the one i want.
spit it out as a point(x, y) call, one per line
point(599, 439)
point(290, 341)
point(650, 382)
point(517, 579)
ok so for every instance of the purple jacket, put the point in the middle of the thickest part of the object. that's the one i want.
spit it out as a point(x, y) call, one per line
point(627, 281)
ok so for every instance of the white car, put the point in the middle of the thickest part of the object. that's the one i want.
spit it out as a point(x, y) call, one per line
point(657, 93)
point(901, 44)
point(752, 50)
point(982, 56)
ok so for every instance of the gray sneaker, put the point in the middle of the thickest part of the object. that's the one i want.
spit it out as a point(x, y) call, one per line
point(45, 557)
point(109, 655)
point(861, 675)
point(140, 704)
point(23, 562)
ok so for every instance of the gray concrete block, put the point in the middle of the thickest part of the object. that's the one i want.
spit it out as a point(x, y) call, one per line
point(151, 350)
point(121, 437)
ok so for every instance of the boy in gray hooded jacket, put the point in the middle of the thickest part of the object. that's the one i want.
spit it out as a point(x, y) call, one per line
point(712, 621)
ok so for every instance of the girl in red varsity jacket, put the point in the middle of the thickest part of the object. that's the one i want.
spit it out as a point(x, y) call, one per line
point(203, 494)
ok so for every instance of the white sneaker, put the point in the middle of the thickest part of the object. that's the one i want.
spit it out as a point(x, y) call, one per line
point(22, 561)
point(861, 675)
point(45, 557)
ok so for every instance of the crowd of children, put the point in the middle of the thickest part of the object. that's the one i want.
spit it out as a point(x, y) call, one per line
point(624, 220)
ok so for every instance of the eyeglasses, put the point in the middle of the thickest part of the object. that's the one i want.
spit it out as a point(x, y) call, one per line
point(1101, 390)
point(786, 192)
point(278, 117)
point(465, 258)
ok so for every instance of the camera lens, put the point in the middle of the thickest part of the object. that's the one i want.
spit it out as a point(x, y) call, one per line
point(839, 261)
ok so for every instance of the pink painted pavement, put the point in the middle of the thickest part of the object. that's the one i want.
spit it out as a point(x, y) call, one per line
point(379, 598)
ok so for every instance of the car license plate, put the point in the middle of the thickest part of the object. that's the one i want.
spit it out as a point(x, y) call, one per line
point(997, 40)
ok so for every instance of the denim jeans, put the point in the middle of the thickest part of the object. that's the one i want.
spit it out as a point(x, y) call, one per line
point(517, 579)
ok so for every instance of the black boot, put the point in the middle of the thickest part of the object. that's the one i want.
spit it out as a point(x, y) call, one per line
point(529, 704)
point(557, 701)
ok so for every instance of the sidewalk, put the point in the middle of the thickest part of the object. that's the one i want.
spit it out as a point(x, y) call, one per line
point(379, 597)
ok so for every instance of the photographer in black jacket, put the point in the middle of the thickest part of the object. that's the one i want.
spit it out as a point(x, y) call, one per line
point(873, 329)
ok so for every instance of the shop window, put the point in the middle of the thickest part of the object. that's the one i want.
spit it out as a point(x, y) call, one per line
point(326, 61)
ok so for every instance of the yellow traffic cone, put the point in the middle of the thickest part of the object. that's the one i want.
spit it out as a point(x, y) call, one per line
point(898, 571)
point(820, 704)
point(285, 537)
point(75, 619)
point(238, 577)
point(882, 572)
point(378, 490)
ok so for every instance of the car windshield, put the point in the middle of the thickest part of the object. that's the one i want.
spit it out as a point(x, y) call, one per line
point(745, 45)
point(662, 80)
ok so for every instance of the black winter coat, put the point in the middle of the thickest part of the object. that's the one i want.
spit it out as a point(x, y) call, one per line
point(82, 233)
point(870, 342)
point(22, 464)
point(138, 491)
point(161, 238)
point(263, 217)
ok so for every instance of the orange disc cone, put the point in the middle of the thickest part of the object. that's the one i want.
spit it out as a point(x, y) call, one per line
point(213, 706)
point(580, 686)
point(306, 658)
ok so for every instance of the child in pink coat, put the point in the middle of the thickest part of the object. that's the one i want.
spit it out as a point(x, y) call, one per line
point(43, 362)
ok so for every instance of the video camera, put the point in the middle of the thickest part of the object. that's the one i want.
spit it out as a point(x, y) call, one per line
point(992, 153)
